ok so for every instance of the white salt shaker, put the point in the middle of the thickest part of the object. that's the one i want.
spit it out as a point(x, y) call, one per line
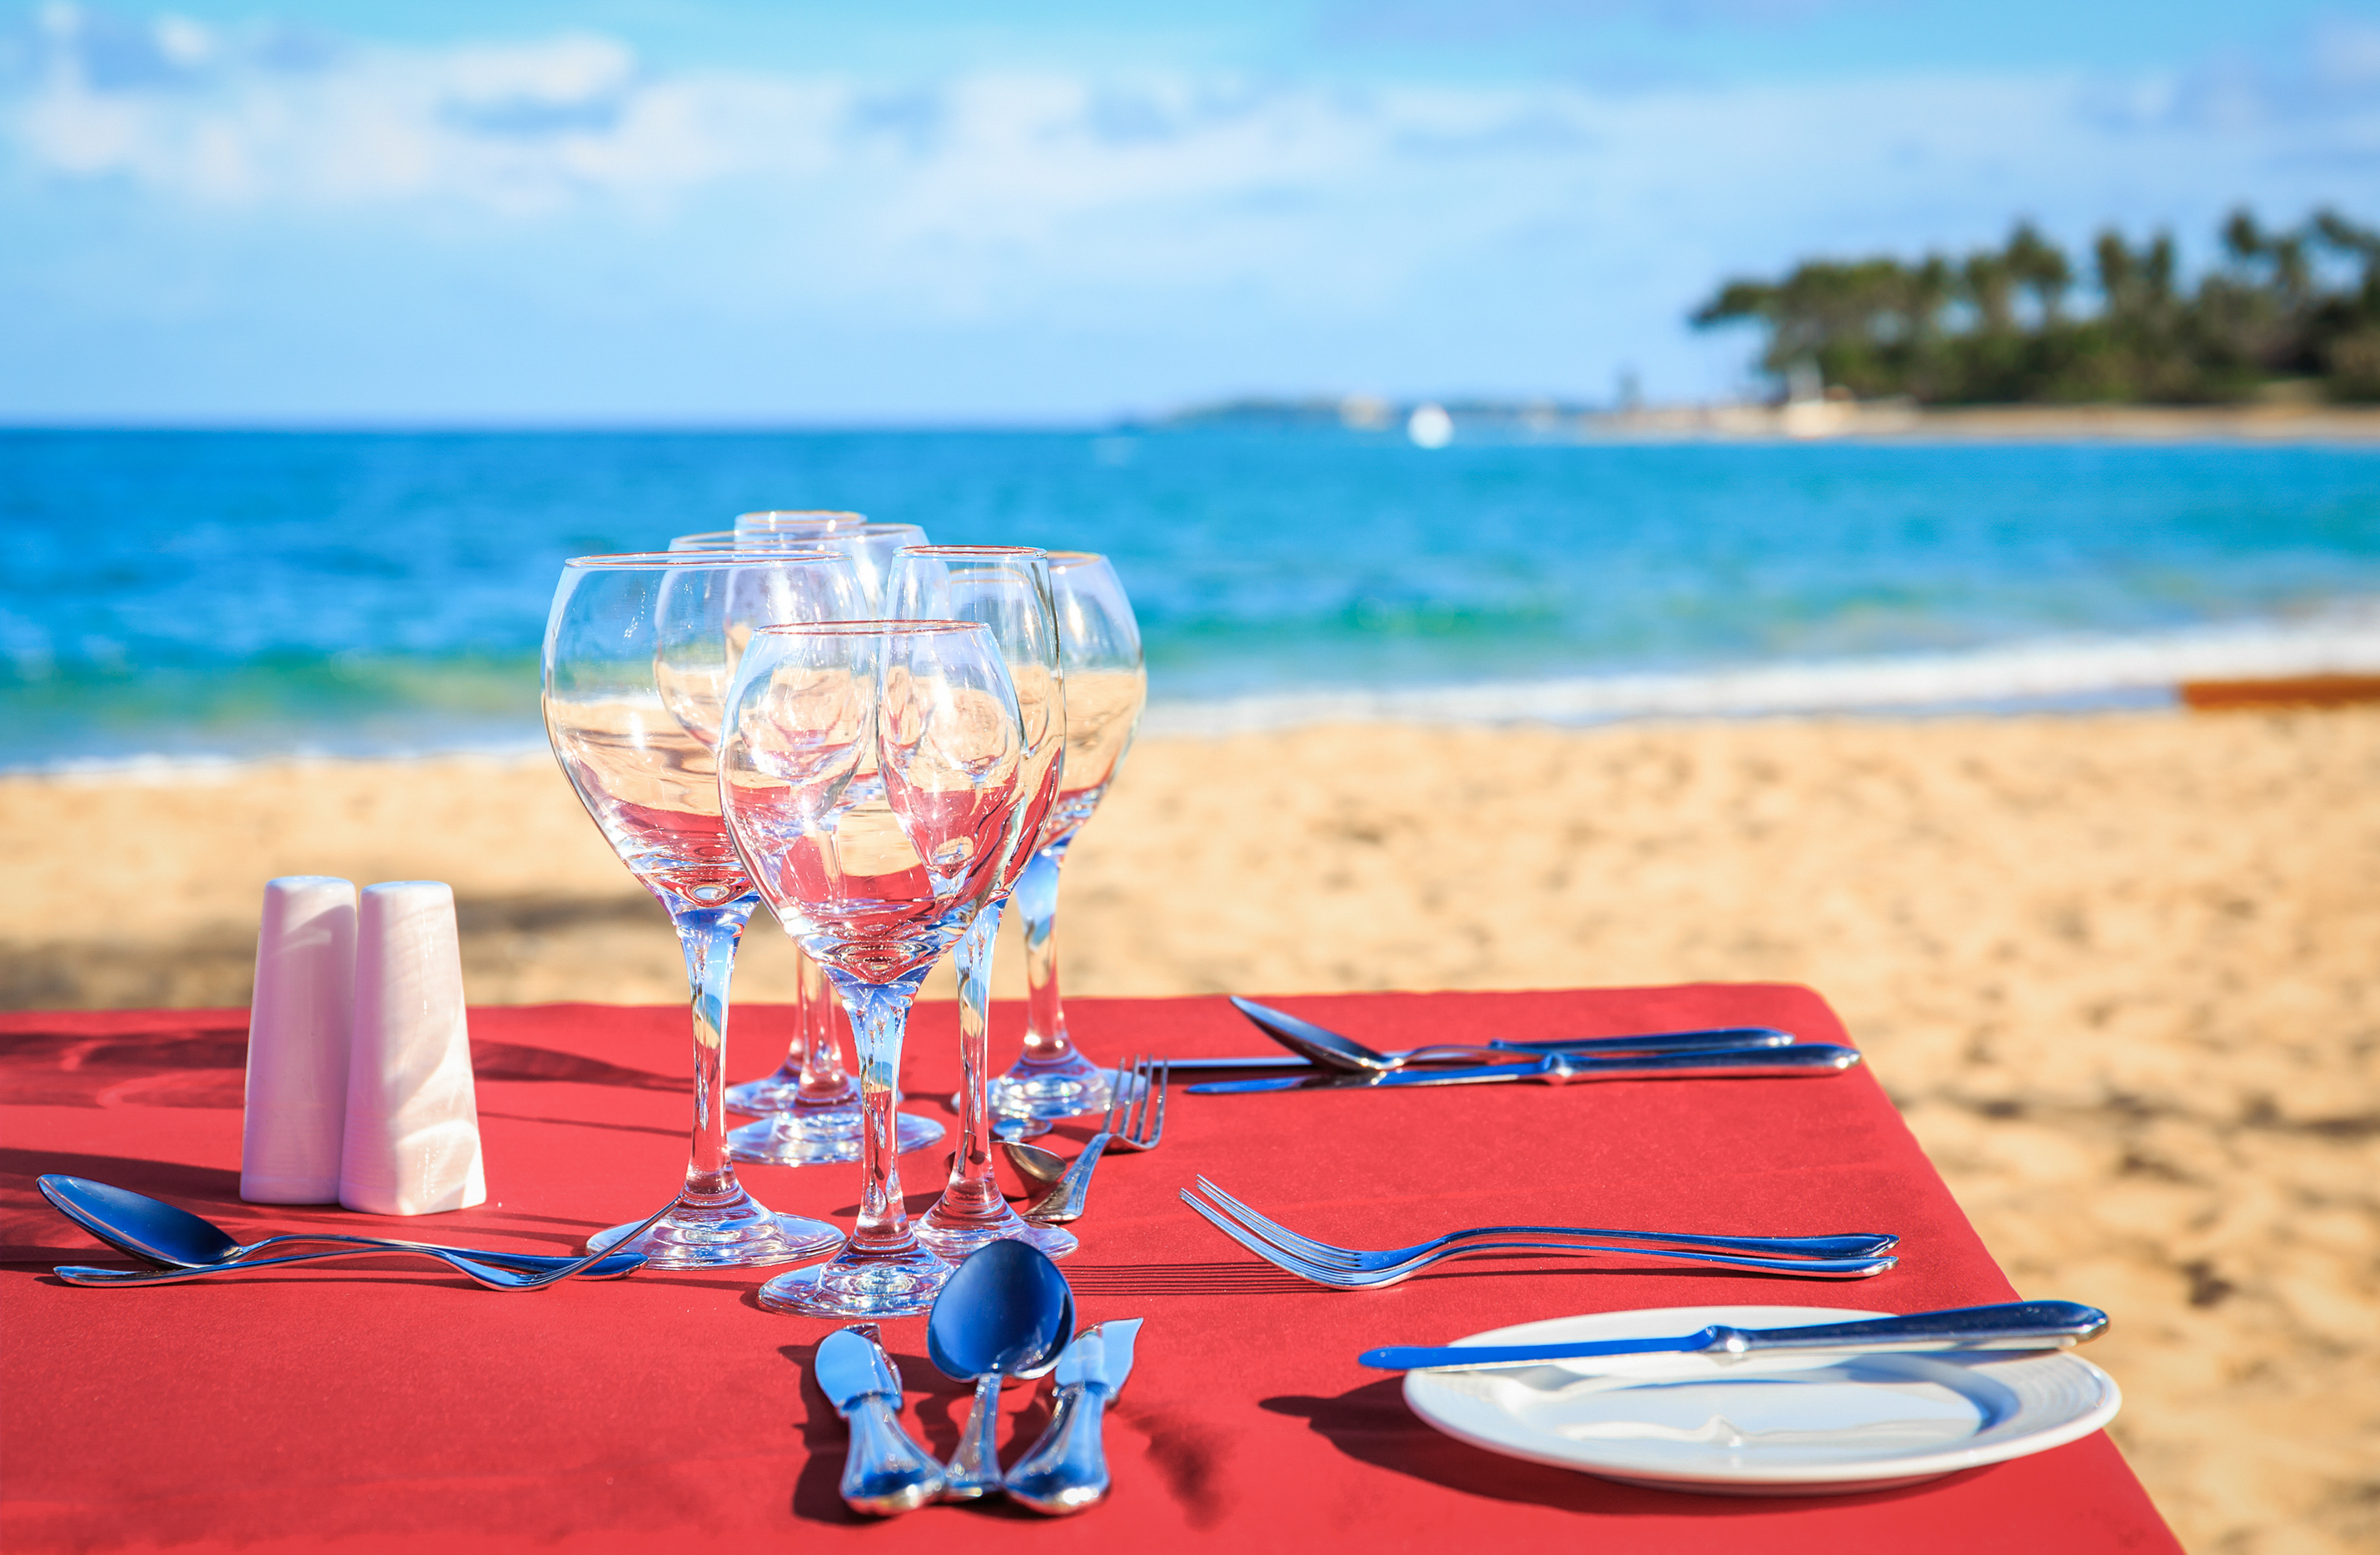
point(297, 1033)
point(412, 1145)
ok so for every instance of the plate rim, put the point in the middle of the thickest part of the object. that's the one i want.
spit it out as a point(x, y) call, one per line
point(1851, 1475)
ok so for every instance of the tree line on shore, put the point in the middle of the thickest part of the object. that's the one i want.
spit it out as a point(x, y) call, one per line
point(2299, 305)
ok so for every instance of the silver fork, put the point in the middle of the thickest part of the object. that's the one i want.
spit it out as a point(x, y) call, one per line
point(1360, 1260)
point(1355, 1279)
point(1135, 1121)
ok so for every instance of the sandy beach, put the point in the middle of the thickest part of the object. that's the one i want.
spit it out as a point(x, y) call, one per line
point(2119, 971)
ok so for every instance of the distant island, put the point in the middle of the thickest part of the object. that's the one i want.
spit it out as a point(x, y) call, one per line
point(2280, 340)
point(2284, 314)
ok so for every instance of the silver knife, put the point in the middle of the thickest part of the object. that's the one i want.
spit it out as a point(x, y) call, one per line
point(1802, 1059)
point(2009, 1325)
point(1066, 1471)
point(884, 1471)
point(1653, 1042)
point(1302, 1037)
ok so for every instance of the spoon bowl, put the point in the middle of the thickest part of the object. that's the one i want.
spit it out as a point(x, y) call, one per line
point(1006, 1312)
point(1042, 1167)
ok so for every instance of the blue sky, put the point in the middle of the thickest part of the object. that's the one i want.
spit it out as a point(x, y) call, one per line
point(646, 211)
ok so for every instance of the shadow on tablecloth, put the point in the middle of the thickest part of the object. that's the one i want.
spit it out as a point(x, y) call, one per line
point(1373, 1425)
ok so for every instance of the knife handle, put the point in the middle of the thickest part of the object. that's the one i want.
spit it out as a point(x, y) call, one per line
point(1803, 1060)
point(2007, 1325)
point(1067, 1470)
point(1727, 1037)
point(884, 1471)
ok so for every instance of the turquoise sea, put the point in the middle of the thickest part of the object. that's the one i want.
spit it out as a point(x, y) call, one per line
point(213, 593)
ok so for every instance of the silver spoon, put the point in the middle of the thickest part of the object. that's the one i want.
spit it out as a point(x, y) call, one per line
point(161, 1233)
point(1005, 1313)
point(1320, 1045)
point(608, 1265)
point(1044, 1168)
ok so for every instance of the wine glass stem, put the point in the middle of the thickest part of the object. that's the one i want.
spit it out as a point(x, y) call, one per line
point(880, 1018)
point(709, 936)
point(972, 1190)
point(1036, 899)
point(824, 1078)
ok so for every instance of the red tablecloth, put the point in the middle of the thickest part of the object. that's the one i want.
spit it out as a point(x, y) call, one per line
point(385, 1405)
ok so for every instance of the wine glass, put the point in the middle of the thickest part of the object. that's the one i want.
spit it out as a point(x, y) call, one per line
point(1098, 649)
point(872, 776)
point(794, 523)
point(809, 1107)
point(1007, 588)
point(639, 653)
point(871, 545)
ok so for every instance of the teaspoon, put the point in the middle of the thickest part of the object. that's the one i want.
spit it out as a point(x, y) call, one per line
point(1005, 1313)
point(185, 1245)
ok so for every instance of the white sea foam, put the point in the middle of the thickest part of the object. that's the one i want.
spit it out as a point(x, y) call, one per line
point(2097, 670)
point(196, 769)
point(2076, 671)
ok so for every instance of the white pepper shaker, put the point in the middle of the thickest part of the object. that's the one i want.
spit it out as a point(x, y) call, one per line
point(412, 1143)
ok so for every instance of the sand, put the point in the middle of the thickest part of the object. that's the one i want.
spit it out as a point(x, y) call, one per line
point(2121, 972)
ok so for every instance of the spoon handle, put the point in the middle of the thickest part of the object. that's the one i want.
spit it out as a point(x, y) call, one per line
point(974, 1469)
point(527, 1263)
point(1074, 1190)
point(610, 1267)
point(75, 1274)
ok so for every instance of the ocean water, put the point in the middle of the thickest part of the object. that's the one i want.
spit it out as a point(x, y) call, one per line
point(185, 594)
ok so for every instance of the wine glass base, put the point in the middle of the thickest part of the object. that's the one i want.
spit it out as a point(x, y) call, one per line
point(955, 1236)
point(738, 1235)
point(1072, 1086)
point(799, 1139)
point(772, 1094)
point(765, 1097)
point(857, 1284)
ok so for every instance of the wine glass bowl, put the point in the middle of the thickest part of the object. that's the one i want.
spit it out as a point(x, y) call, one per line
point(870, 546)
point(794, 523)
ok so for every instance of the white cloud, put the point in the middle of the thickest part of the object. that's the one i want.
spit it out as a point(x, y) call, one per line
point(227, 121)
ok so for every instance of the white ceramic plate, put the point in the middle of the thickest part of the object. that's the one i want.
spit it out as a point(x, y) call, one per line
point(1768, 1424)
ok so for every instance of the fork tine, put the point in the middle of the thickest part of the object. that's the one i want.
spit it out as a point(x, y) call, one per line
point(1136, 1107)
point(1118, 1097)
point(1164, 1080)
point(1271, 1230)
point(1262, 1249)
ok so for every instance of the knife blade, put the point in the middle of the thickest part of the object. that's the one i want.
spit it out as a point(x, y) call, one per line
point(1801, 1060)
point(884, 1470)
point(2009, 1325)
point(1066, 1470)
